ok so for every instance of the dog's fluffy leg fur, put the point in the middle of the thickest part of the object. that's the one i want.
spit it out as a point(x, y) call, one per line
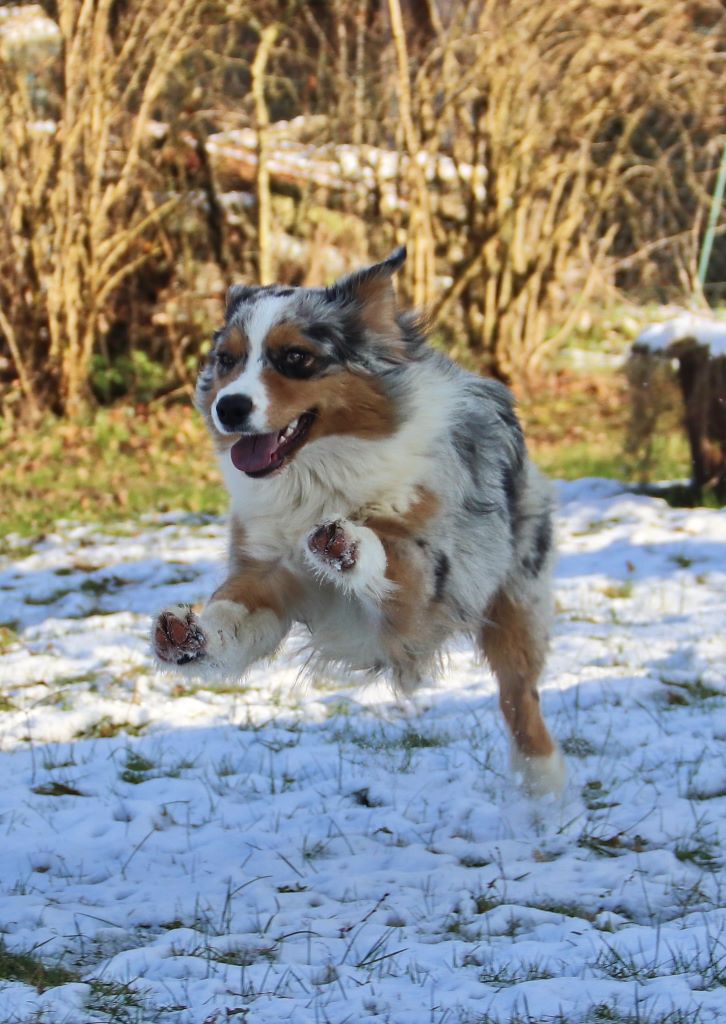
point(514, 639)
point(237, 637)
point(540, 775)
point(351, 557)
point(225, 639)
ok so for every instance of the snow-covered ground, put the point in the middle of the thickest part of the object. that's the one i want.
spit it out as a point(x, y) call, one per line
point(310, 852)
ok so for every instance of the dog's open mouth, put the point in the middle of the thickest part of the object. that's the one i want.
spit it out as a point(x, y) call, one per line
point(261, 454)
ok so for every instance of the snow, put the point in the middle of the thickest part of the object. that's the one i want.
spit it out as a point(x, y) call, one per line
point(24, 24)
point(305, 852)
point(342, 167)
point(706, 331)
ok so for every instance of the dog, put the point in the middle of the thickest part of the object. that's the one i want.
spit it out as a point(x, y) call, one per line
point(379, 494)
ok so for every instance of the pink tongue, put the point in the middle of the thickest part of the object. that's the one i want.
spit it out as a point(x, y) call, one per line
point(254, 452)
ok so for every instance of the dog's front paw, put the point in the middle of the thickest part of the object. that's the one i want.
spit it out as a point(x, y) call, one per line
point(349, 556)
point(177, 637)
point(330, 544)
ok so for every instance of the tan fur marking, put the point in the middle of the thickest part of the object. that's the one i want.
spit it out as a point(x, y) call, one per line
point(421, 511)
point(378, 310)
point(261, 585)
point(345, 402)
point(235, 341)
point(517, 653)
point(287, 335)
point(413, 629)
point(257, 584)
point(404, 608)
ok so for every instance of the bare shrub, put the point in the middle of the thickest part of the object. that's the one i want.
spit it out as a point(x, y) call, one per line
point(586, 115)
point(79, 207)
point(544, 151)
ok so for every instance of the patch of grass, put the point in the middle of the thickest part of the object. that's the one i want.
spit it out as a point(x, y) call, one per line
point(174, 771)
point(49, 764)
point(618, 591)
point(565, 908)
point(577, 424)
point(245, 956)
point(82, 677)
point(31, 970)
point(57, 789)
point(408, 740)
point(128, 460)
point(8, 636)
point(123, 462)
point(105, 728)
point(578, 746)
point(226, 767)
point(611, 846)
point(698, 851)
point(682, 495)
point(505, 975)
point(136, 768)
point(594, 796)
point(610, 1013)
point(707, 794)
point(104, 585)
point(178, 576)
point(119, 1003)
point(364, 799)
point(314, 850)
point(412, 740)
point(191, 689)
point(693, 691)
point(55, 595)
point(12, 547)
point(485, 903)
point(624, 966)
point(472, 861)
point(339, 707)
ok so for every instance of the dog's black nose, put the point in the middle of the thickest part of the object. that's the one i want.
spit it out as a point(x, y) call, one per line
point(233, 410)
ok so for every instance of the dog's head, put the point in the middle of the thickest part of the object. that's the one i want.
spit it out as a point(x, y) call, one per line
point(292, 365)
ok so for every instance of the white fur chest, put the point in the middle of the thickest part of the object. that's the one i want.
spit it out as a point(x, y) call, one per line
point(276, 514)
point(341, 477)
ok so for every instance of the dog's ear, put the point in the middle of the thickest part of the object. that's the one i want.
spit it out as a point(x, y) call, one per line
point(236, 295)
point(371, 290)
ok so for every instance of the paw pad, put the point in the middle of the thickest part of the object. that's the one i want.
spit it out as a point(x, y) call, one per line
point(331, 545)
point(178, 637)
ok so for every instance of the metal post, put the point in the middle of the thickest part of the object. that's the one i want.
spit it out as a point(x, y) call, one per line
point(716, 201)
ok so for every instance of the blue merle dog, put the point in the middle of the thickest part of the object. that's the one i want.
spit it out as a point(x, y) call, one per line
point(380, 496)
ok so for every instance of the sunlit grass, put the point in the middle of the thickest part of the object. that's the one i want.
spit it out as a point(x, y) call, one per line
point(131, 460)
point(124, 462)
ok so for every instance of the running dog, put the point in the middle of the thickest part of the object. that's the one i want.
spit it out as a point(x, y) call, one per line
point(379, 494)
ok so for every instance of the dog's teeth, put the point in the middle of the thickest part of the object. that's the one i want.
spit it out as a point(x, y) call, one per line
point(290, 430)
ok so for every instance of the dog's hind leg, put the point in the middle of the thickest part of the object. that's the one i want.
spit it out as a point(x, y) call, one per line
point(514, 639)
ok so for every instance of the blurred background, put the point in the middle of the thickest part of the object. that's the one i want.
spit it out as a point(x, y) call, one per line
point(551, 165)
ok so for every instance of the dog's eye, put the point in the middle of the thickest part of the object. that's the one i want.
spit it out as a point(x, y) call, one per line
point(225, 362)
point(296, 362)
